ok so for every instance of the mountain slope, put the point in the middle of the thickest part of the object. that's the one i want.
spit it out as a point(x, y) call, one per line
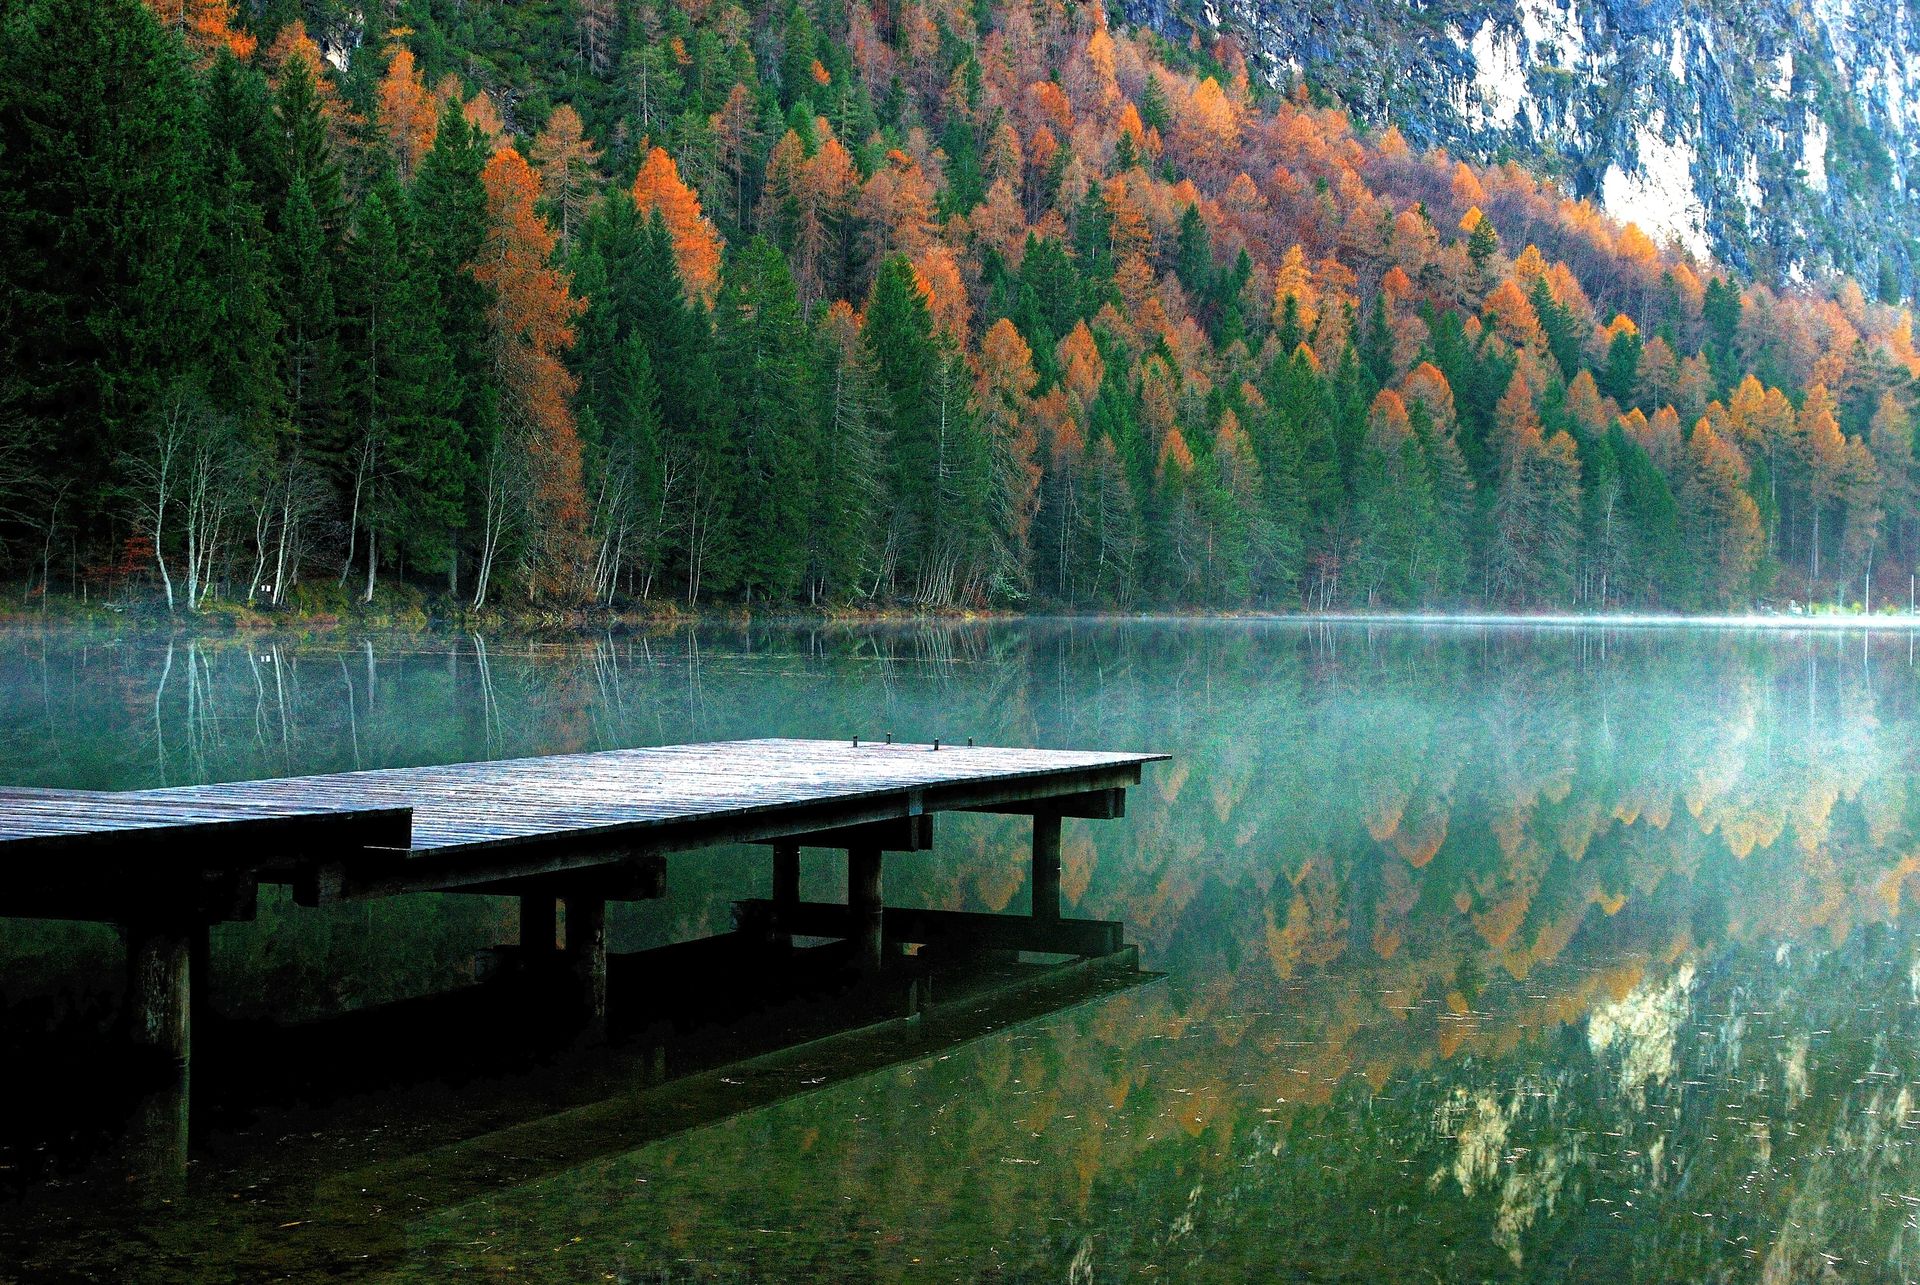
point(927, 303)
point(1783, 137)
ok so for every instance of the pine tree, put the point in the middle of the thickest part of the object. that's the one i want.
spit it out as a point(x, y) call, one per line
point(244, 327)
point(406, 478)
point(899, 334)
point(1193, 257)
point(799, 54)
point(305, 155)
point(1650, 563)
point(450, 228)
point(848, 462)
point(102, 297)
point(768, 384)
point(308, 305)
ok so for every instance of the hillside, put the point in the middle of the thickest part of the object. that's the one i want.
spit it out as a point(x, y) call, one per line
point(911, 303)
point(1784, 137)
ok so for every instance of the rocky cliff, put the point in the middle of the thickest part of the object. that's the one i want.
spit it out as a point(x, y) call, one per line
point(1782, 136)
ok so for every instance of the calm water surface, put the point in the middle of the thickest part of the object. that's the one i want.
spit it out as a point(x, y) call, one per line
point(1491, 954)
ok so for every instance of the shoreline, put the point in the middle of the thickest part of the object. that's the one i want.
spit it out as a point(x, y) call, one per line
point(415, 617)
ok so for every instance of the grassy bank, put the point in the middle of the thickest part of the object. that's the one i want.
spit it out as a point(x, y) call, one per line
point(405, 609)
point(410, 609)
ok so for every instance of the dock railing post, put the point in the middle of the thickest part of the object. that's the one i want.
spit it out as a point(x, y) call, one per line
point(1046, 866)
point(865, 906)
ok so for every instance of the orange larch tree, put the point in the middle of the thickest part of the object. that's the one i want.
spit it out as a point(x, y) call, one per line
point(566, 157)
point(696, 245)
point(537, 461)
point(408, 114)
point(1003, 392)
point(206, 26)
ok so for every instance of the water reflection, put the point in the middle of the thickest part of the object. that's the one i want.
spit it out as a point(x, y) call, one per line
point(1492, 953)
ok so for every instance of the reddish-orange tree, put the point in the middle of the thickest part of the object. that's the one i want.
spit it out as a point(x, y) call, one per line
point(408, 113)
point(532, 315)
point(696, 245)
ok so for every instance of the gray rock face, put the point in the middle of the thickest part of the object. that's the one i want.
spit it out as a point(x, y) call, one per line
point(1782, 136)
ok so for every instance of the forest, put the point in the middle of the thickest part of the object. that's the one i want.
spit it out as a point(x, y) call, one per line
point(918, 303)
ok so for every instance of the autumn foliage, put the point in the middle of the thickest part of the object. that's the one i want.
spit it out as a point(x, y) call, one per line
point(657, 188)
point(1066, 315)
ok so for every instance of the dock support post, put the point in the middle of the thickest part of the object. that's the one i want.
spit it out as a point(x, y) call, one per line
point(1046, 866)
point(166, 981)
point(587, 954)
point(159, 991)
point(199, 972)
point(866, 906)
point(786, 889)
point(539, 922)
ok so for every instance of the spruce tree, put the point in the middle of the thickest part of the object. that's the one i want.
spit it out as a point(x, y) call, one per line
point(768, 385)
point(449, 221)
point(847, 466)
point(103, 296)
point(404, 447)
point(907, 365)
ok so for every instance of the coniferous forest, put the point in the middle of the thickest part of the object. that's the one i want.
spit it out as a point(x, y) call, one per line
point(913, 303)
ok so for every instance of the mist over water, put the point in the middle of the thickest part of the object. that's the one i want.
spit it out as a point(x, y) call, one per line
point(1492, 953)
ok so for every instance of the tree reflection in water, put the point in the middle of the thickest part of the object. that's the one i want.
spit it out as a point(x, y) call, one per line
point(1491, 953)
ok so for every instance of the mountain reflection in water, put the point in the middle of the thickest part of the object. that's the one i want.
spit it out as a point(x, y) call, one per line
point(1491, 953)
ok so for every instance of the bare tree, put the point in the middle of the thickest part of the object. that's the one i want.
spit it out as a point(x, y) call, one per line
point(190, 479)
point(504, 494)
point(155, 472)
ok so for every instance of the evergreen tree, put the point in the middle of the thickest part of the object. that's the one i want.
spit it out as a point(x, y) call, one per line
point(767, 381)
point(1193, 257)
point(450, 227)
point(847, 465)
point(308, 305)
point(402, 456)
point(102, 210)
point(305, 154)
point(899, 335)
point(244, 350)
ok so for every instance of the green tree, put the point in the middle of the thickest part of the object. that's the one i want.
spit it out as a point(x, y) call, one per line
point(102, 215)
point(907, 368)
point(767, 381)
point(449, 224)
point(406, 478)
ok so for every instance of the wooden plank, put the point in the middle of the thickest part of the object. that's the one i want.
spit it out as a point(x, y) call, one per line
point(1094, 805)
point(907, 834)
point(902, 923)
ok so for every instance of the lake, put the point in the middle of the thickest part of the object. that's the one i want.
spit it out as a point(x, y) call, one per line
point(1490, 953)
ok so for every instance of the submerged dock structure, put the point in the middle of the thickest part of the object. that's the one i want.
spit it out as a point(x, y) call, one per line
point(578, 830)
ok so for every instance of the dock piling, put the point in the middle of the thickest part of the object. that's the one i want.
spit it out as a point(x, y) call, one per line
point(159, 991)
point(1046, 865)
point(587, 954)
point(866, 906)
point(786, 887)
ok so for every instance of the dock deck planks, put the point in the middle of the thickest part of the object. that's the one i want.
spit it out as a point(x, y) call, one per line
point(482, 822)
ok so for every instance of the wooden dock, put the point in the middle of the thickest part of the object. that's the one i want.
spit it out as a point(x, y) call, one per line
point(578, 829)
